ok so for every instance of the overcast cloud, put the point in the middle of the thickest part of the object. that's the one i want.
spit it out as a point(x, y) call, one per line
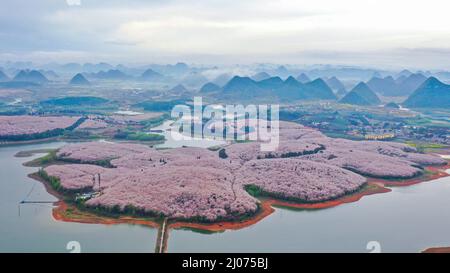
point(381, 33)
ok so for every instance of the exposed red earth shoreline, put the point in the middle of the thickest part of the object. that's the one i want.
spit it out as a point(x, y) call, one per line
point(60, 213)
point(374, 186)
point(437, 250)
point(241, 157)
point(69, 213)
point(435, 173)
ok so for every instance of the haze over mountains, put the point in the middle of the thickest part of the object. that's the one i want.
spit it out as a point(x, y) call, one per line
point(289, 89)
point(3, 77)
point(151, 75)
point(335, 84)
point(79, 79)
point(273, 82)
point(30, 76)
point(403, 86)
point(432, 93)
point(209, 87)
point(361, 94)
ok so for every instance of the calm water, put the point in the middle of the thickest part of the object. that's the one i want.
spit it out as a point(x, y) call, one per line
point(181, 140)
point(408, 219)
point(35, 230)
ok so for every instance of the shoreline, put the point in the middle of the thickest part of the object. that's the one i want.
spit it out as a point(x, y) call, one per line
point(33, 141)
point(436, 250)
point(70, 213)
point(434, 172)
point(267, 205)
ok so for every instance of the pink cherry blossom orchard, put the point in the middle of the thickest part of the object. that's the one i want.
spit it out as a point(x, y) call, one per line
point(188, 183)
point(27, 125)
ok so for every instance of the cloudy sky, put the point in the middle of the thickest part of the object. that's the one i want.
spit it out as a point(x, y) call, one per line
point(374, 33)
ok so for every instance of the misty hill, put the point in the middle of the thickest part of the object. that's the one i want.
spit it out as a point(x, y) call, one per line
point(303, 78)
point(260, 76)
point(335, 84)
point(49, 74)
point(71, 67)
point(30, 76)
point(3, 77)
point(341, 92)
point(361, 94)
point(241, 85)
point(79, 79)
point(366, 93)
point(405, 73)
point(222, 79)
point(404, 85)
point(151, 75)
point(392, 105)
point(275, 87)
point(90, 67)
point(209, 87)
point(112, 74)
point(179, 88)
point(431, 94)
point(179, 68)
point(194, 78)
point(272, 83)
point(293, 90)
point(343, 72)
point(400, 79)
point(385, 86)
point(176, 70)
point(318, 89)
point(281, 71)
point(170, 70)
point(410, 84)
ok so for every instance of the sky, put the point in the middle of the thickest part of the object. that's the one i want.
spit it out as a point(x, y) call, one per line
point(371, 33)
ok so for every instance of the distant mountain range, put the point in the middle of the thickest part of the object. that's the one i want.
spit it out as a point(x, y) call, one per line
point(290, 89)
point(320, 90)
point(303, 78)
point(79, 79)
point(33, 76)
point(431, 94)
point(151, 75)
point(260, 76)
point(49, 74)
point(209, 87)
point(361, 94)
point(335, 84)
point(179, 89)
point(404, 73)
point(112, 74)
point(3, 77)
point(405, 84)
point(194, 79)
point(222, 79)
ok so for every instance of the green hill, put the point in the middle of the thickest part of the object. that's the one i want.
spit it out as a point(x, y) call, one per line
point(431, 94)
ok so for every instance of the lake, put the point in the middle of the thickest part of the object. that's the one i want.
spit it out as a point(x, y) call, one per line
point(408, 219)
point(35, 230)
